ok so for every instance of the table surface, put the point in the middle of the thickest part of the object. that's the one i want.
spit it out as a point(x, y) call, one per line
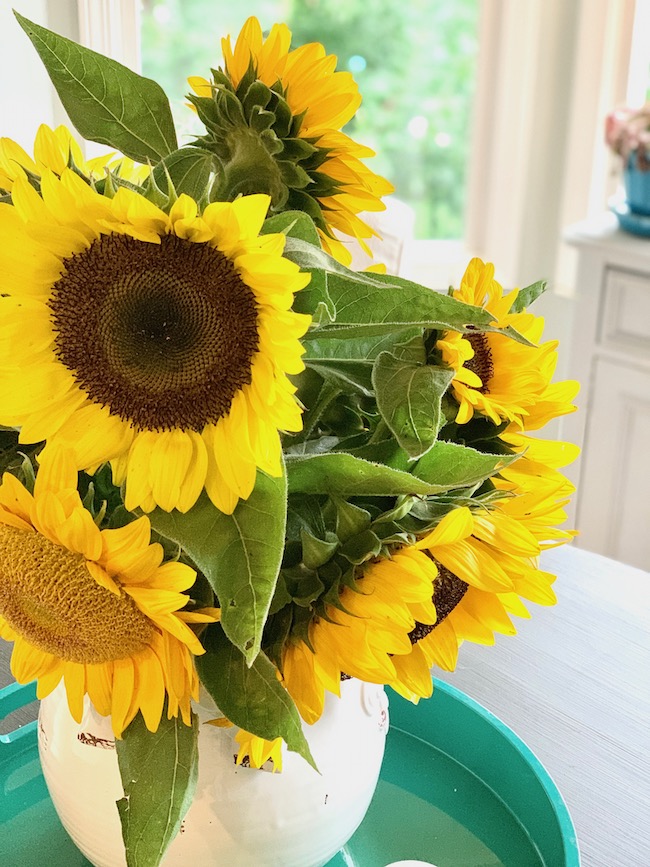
point(575, 686)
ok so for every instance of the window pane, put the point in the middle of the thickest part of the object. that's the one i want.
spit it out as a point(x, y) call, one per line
point(414, 63)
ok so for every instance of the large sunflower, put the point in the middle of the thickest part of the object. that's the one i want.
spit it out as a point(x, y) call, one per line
point(284, 138)
point(365, 634)
point(97, 609)
point(487, 562)
point(159, 342)
point(56, 150)
point(461, 582)
point(496, 376)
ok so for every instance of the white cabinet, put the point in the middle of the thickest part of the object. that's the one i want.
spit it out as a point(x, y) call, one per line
point(610, 355)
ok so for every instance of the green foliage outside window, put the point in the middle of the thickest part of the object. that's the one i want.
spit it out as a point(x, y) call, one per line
point(397, 52)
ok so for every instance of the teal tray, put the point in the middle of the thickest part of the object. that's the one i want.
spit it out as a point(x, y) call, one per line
point(457, 789)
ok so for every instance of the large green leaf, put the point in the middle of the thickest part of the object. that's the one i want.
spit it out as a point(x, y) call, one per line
point(251, 697)
point(455, 466)
point(107, 102)
point(159, 773)
point(239, 554)
point(443, 468)
point(409, 398)
point(386, 304)
point(367, 304)
point(351, 361)
point(190, 171)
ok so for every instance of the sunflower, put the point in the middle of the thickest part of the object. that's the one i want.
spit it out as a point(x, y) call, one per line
point(56, 150)
point(274, 118)
point(364, 635)
point(255, 751)
point(461, 582)
point(538, 467)
point(487, 562)
point(158, 342)
point(496, 376)
point(96, 609)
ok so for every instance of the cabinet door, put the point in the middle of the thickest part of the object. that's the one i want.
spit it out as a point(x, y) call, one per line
point(614, 502)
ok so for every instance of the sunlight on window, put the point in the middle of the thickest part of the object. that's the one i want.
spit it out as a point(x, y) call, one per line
point(638, 89)
point(414, 63)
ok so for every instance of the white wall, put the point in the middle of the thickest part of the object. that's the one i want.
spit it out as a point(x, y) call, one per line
point(27, 97)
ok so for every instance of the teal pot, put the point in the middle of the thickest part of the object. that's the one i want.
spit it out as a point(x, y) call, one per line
point(637, 185)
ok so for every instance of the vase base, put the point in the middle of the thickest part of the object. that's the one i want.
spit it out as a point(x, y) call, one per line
point(629, 220)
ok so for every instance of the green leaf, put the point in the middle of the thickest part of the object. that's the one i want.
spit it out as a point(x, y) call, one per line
point(107, 102)
point(317, 551)
point(303, 587)
point(527, 295)
point(294, 224)
point(360, 548)
point(239, 554)
point(381, 304)
point(350, 375)
point(368, 304)
point(409, 398)
point(159, 773)
point(305, 512)
point(351, 361)
point(456, 466)
point(343, 475)
point(405, 344)
point(251, 697)
point(350, 519)
point(190, 170)
point(313, 258)
point(314, 300)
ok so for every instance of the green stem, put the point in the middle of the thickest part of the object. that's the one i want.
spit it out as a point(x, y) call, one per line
point(249, 169)
point(379, 432)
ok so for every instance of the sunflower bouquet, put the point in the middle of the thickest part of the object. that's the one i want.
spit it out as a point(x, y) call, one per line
point(229, 460)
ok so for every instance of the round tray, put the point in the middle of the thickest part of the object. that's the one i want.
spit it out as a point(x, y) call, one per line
point(457, 789)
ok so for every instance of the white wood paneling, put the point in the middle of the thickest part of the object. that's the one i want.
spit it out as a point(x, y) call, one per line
point(614, 508)
point(611, 358)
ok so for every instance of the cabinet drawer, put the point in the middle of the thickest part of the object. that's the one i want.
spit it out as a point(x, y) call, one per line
point(625, 318)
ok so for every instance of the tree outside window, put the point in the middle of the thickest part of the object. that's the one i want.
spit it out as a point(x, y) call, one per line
point(414, 63)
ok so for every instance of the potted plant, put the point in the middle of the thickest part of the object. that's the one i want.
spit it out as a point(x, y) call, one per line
point(627, 132)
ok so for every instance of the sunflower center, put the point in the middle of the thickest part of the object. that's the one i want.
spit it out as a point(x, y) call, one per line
point(161, 334)
point(448, 590)
point(481, 364)
point(48, 597)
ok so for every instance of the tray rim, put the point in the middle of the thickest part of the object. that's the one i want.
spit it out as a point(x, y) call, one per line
point(420, 717)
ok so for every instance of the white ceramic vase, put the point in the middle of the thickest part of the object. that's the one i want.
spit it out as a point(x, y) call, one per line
point(240, 817)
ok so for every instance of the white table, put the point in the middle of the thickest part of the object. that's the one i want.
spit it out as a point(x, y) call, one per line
point(575, 685)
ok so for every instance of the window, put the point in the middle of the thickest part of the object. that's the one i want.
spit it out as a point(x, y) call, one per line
point(638, 86)
point(414, 64)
